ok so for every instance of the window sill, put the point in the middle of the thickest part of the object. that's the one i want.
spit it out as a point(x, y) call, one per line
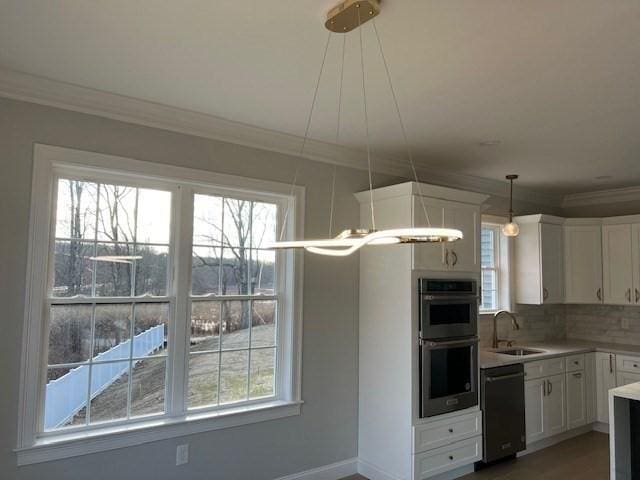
point(111, 438)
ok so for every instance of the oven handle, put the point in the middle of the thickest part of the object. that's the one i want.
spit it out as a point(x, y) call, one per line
point(450, 297)
point(430, 344)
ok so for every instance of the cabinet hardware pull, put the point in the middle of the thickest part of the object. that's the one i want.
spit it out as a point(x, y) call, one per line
point(610, 363)
point(577, 375)
point(599, 294)
point(635, 365)
point(446, 257)
point(575, 362)
point(550, 387)
point(451, 430)
point(628, 295)
point(637, 295)
point(451, 457)
point(545, 293)
point(455, 258)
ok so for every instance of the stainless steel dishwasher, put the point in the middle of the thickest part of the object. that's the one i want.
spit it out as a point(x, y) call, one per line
point(502, 403)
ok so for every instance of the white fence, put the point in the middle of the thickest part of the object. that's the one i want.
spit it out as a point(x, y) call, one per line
point(67, 395)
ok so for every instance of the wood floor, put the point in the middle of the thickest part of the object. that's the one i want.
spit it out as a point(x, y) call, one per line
point(585, 458)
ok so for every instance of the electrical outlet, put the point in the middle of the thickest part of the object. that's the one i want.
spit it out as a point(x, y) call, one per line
point(182, 454)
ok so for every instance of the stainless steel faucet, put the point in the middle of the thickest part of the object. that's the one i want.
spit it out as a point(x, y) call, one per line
point(495, 342)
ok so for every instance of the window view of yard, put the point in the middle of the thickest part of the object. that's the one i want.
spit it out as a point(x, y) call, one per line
point(110, 306)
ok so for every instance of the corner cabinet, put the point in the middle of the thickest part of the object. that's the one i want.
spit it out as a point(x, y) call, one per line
point(539, 260)
point(621, 263)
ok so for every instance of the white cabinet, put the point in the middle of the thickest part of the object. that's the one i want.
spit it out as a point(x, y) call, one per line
point(590, 386)
point(635, 260)
point(545, 407)
point(576, 399)
point(555, 406)
point(583, 263)
point(462, 255)
point(625, 378)
point(605, 381)
point(617, 264)
point(534, 395)
point(539, 260)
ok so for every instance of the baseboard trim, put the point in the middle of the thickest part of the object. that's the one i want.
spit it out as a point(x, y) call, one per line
point(548, 442)
point(333, 471)
point(601, 427)
point(372, 472)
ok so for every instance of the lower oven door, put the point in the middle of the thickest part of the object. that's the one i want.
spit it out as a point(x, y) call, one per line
point(448, 375)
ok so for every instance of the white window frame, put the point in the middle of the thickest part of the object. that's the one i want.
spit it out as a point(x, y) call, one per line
point(51, 162)
point(504, 278)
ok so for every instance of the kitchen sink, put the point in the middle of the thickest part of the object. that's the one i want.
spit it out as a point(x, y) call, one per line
point(519, 352)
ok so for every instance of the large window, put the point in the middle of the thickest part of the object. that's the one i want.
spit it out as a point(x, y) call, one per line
point(158, 298)
point(490, 258)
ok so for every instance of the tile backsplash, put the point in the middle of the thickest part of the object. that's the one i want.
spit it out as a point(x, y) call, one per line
point(602, 323)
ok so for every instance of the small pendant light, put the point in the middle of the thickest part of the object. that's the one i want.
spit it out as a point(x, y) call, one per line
point(511, 229)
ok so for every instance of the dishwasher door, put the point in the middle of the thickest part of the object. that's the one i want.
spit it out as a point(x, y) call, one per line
point(502, 403)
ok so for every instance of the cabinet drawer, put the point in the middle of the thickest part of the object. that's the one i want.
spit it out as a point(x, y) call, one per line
point(575, 362)
point(543, 368)
point(442, 459)
point(444, 432)
point(625, 363)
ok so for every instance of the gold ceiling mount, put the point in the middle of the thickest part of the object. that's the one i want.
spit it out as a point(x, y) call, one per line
point(344, 17)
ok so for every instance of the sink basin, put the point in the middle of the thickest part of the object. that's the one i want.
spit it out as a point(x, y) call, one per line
point(518, 352)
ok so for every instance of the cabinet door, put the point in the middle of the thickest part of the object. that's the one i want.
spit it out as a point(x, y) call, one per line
point(635, 258)
point(576, 400)
point(583, 263)
point(428, 256)
point(534, 395)
point(625, 378)
point(463, 254)
point(555, 405)
point(605, 381)
point(617, 264)
point(552, 246)
point(590, 387)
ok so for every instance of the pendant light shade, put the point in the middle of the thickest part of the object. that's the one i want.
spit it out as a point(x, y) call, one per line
point(511, 229)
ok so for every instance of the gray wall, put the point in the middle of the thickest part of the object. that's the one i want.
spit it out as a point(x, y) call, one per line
point(326, 432)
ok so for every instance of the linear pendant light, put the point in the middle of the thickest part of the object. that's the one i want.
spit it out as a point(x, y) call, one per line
point(343, 18)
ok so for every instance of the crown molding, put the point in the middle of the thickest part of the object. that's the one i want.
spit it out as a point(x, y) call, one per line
point(615, 195)
point(26, 87)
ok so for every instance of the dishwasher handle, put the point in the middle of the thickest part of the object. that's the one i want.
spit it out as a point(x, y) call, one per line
point(504, 377)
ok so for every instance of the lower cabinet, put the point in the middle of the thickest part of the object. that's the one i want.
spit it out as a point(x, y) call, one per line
point(576, 399)
point(545, 407)
point(605, 381)
point(625, 378)
point(439, 460)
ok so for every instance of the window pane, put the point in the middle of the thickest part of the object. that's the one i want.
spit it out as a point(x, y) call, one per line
point(65, 396)
point(205, 271)
point(151, 270)
point(69, 334)
point(487, 247)
point(154, 216)
point(73, 271)
point(150, 329)
point(207, 220)
point(112, 331)
point(235, 324)
point(263, 321)
point(489, 290)
point(237, 222)
point(235, 280)
point(109, 389)
point(205, 326)
point(114, 269)
point(148, 386)
point(117, 213)
point(234, 376)
point(263, 271)
point(203, 380)
point(262, 373)
point(76, 209)
point(263, 225)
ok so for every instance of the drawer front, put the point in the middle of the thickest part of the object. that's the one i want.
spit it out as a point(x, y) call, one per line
point(625, 363)
point(544, 368)
point(443, 432)
point(575, 362)
point(447, 458)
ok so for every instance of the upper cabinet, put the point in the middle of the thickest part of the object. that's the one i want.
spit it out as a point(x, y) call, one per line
point(583, 261)
point(621, 263)
point(405, 204)
point(539, 260)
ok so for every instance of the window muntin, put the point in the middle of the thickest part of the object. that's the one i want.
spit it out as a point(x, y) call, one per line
point(490, 266)
point(233, 339)
point(108, 304)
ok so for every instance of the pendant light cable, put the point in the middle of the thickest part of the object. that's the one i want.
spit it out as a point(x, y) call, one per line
point(366, 120)
point(402, 127)
point(306, 136)
point(335, 167)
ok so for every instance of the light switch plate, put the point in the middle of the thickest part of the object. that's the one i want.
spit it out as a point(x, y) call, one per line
point(182, 454)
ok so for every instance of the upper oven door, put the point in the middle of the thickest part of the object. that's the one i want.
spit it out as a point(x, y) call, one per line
point(445, 316)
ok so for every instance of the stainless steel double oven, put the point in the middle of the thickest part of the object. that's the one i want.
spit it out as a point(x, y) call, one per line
point(448, 322)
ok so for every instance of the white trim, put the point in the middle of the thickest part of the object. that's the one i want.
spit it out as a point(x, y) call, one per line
point(372, 472)
point(333, 471)
point(93, 441)
point(614, 195)
point(44, 91)
point(50, 161)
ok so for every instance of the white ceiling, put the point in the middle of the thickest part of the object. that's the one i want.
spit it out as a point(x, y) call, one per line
point(557, 82)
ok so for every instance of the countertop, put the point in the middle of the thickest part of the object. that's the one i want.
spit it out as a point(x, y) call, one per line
point(489, 358)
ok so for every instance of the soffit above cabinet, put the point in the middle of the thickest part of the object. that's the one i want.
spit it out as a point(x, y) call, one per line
point(424, 189)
